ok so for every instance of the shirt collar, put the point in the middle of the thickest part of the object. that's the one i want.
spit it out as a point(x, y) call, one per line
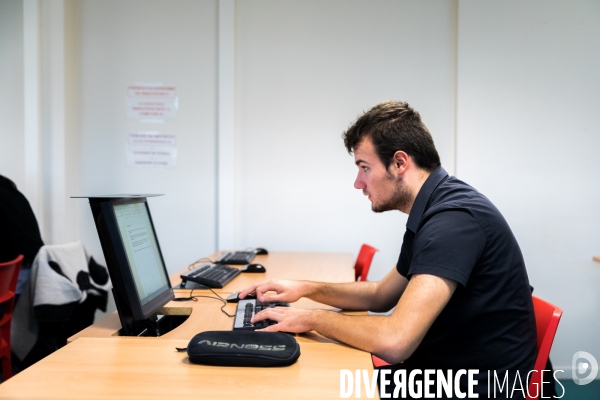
point(418, 208)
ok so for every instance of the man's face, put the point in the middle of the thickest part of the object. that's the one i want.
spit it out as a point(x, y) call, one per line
point(385, 190)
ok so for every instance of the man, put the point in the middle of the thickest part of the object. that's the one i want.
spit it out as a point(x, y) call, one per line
point(460, 289)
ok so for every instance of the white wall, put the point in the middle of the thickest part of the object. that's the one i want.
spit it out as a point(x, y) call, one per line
point(12, 140)
point(304, 72)
point(528, 137)
point(128, 42)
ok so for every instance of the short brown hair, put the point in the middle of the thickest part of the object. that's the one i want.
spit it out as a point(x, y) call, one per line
point(394, 126)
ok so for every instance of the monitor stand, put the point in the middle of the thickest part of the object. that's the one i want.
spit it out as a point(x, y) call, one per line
point(163, 321)
point(159, 324)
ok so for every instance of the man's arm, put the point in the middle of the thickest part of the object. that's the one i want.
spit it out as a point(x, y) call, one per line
point(373, 296)
point(393, 338)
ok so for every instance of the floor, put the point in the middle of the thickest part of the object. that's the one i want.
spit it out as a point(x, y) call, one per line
point(591, 391)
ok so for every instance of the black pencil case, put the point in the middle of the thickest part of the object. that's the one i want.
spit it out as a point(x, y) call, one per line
point(243, 349)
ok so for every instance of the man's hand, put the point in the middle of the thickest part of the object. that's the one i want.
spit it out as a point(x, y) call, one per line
point(289, 319)
point(285, 291)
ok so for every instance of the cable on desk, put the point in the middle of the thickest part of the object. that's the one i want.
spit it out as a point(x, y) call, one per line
point(195, 298)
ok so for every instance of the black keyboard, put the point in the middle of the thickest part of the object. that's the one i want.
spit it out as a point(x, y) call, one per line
point(236, 257)
point(211, 275)
point(246, 310)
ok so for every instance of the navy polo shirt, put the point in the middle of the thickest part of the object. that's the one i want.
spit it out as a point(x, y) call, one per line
point(455, 232)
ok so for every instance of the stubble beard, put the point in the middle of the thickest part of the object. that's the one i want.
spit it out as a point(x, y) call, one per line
point(399, 199)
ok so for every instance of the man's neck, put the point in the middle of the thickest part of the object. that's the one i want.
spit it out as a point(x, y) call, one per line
point(414, 183)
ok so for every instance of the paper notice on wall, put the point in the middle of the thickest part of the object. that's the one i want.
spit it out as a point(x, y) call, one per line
point(151, 102)
point(151, 150)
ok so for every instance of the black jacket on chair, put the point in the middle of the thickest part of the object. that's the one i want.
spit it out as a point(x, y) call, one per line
point(19, 230)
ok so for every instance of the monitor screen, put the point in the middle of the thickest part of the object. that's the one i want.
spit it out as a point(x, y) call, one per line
point(141, 248)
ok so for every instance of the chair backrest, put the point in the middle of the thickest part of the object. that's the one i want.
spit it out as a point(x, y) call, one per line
point(547, 317)
point(9, 274)
point(363, 262)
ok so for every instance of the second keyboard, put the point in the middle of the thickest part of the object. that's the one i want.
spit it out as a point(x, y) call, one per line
point(211, 275)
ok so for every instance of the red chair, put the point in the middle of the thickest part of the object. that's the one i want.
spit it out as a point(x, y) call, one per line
point(547, 317)
point(363, 262)
point(9, 273)
point(378, 362)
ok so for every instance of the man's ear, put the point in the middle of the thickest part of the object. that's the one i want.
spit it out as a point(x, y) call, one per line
point(400, 162)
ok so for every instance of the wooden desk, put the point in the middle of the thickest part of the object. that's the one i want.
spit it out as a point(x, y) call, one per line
point(322, 267)
point(100, 365)
point(204, 315)
point(148, 368)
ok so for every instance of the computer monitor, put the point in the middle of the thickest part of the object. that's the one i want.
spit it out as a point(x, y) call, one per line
point(141, 285)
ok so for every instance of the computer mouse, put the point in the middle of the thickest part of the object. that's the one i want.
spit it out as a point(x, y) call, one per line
point(235, 297)
point(254, 268)
point(261, 251)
